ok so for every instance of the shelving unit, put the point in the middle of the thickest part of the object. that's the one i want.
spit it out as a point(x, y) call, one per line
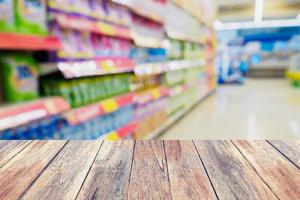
point(175, 118)
point(20, 114)
point(117, 44)
point(85, 24)
point(122, 133)
point(16, 41)
point(93, 67)
point(143, 9)
point(85, 113)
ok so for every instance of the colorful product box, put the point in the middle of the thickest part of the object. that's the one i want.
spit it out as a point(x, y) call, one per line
point(31, 16)
point(20, 77)
point(7, 17)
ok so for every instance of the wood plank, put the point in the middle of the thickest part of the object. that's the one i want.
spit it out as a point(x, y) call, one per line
point(9, 149)
point(231, 175)
point(65, 175)
point(110, 173)
point(149, 176)
point(188, 178)
point(280, 174)
point(20, 171)
point(290, 148)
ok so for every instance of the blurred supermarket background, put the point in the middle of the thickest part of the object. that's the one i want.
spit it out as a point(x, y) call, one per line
point(147, 69)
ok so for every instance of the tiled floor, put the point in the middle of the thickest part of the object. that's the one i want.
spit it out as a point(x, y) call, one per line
point(261, 109)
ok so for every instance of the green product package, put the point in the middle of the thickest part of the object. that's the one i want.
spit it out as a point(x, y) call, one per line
point(20, 77)
point(31, 16)
point(7, 16)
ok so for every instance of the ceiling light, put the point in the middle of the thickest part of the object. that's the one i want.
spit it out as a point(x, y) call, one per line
point(259, 11)
point(262, 24)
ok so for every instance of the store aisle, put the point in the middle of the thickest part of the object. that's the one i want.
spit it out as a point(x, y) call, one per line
point(261, 109)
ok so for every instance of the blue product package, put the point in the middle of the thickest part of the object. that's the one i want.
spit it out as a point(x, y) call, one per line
point(44, 128)
point(22, 132)
point(100, 126)
point(52, 127)
point(6, 134)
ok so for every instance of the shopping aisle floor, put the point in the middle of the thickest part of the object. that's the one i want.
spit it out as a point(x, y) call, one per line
point(260, 109)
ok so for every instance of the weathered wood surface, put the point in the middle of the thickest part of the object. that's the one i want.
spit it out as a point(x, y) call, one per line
point(188, 178)
point(149, 176)
point(65, 175)
point(110, 174)
point(279, 173)
point(24, 168)
point(231, 175)
point(8, 149)
point(290, 149)
point(106, 170)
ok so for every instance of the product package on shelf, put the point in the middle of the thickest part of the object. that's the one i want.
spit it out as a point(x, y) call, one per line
point(57, 127)
point(93, 9)
point(84, 91)
point(146, 33)
point(31, 16)
point(87, 45)
point(99, 126)
point(7, 17)
point(150, 116)
point(19, 74)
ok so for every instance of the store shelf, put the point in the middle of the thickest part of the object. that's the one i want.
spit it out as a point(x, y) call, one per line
point(173, 119)
point(151, 95)
point(161, 67)
point(142, 11)
point(179, 89)
point(16, 115)
point(86, 24)
point(293, 75)
point(146, 41)
point(15, 41)
point(121, 133)
point(85, 113)
point(92, 67)
point(184, 37)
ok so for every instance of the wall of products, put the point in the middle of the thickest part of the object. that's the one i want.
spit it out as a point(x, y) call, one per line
point(102, 69)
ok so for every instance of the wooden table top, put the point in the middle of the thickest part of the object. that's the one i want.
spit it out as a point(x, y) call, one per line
point(150, 170)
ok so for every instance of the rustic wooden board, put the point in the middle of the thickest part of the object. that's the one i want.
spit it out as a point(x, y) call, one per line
point(110, 173)
point(290, 148)
point(231, 175)
point(8, 149)
point(280, 174)
point(188, 178)
point(24, 168)
point(149, 176)
point(65, 175)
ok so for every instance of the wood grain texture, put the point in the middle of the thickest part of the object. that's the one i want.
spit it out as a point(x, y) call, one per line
point(110, 173)
point(64, 176)
point(231, 175)
point(9, 149)
point(291, 149)
point(20, 171)
point(188, 178)
point(149, 176)
point(282, 176)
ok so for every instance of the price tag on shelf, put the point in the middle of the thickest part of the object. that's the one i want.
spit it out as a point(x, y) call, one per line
point(113, 136)
point(109, 105)
point(107, 29)
point(108, 66)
